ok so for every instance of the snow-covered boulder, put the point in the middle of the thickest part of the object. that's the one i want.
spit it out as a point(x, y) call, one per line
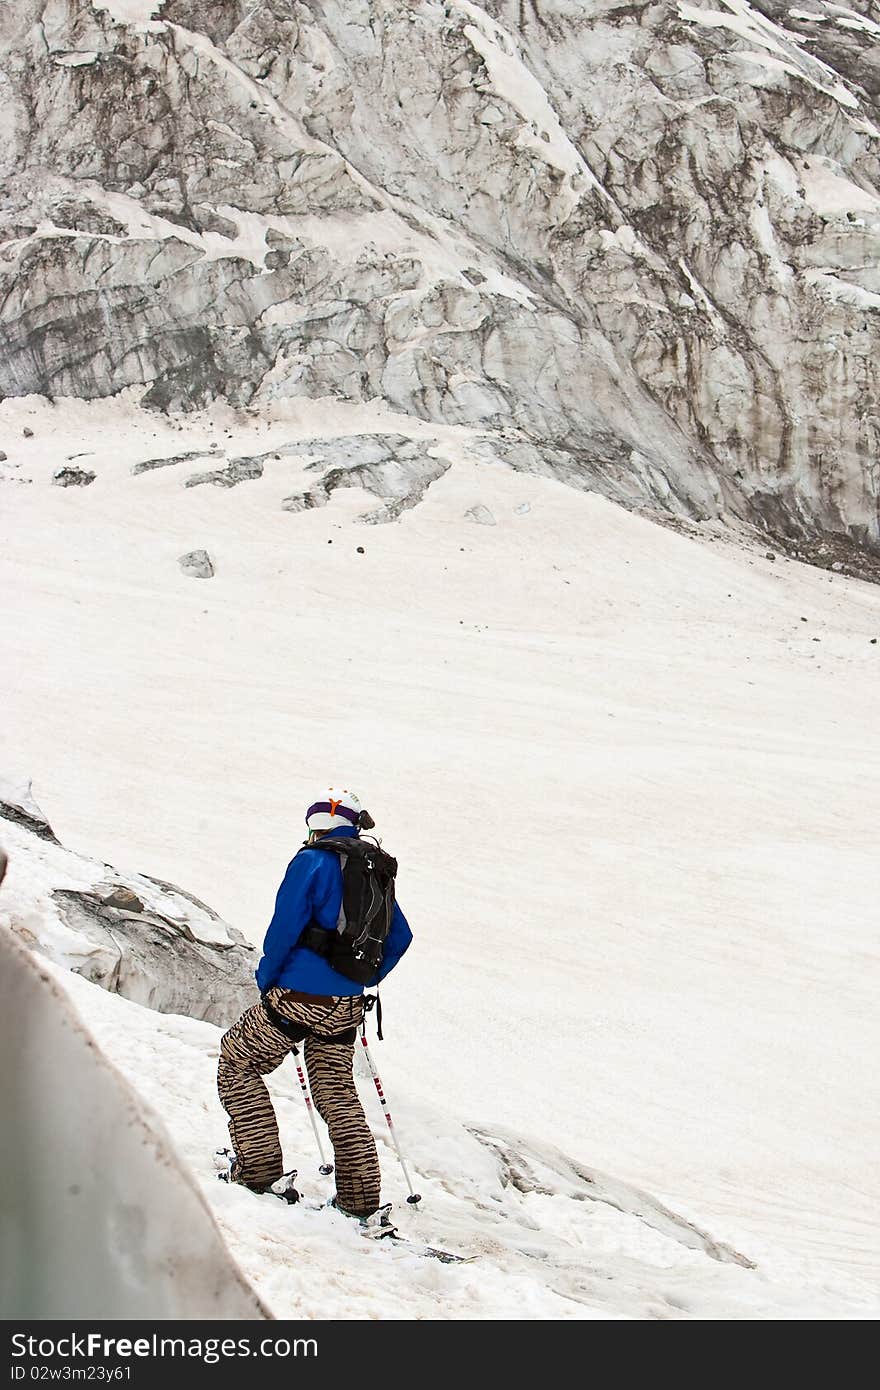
point(132, 934)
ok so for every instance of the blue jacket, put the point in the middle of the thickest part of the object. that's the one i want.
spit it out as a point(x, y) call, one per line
point(312, 892)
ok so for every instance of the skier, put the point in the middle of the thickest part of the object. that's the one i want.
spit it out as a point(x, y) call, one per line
point(304, 997)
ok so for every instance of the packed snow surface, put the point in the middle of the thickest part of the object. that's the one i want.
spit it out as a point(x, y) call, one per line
point(632, 780)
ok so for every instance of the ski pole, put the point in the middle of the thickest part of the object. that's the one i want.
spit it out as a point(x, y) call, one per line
point(414, 1197)
point(325, 1167)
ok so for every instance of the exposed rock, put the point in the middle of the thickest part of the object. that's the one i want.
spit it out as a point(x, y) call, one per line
point(206, 220)
point(236, 471)
point(198, 564)
point(146, 465)
point(73, 477)
point(394, 468)
point(28, 433)
point(157, 961)
point(18, 805)
point(87, 218)
point(304, 502)
point(130, 933)
point(2, 456)
point(835, 551)
point(122, 897)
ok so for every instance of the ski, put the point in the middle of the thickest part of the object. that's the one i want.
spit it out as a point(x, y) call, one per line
point(377, 1227)
point(433, 1252)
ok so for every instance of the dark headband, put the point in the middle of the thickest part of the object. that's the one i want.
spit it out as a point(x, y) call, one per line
point(333, 809)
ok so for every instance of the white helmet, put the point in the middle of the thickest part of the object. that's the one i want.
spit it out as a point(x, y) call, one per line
point(333, 808)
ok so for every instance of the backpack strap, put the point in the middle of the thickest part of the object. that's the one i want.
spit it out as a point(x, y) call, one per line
point(358, 848)
point(373, 1001)
point(317, 939)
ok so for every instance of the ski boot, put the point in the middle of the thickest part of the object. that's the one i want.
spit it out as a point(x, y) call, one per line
point(377, 1226)
point(284, 1188)
point(224, 1162)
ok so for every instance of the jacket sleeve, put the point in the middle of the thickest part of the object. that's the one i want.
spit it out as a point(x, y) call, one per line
point(293, 911)
point(398, 941)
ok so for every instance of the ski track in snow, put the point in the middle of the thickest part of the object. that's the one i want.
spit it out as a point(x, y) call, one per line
point(573, 727)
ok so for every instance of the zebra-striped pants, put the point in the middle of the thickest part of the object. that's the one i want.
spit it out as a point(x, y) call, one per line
point(253, 1047)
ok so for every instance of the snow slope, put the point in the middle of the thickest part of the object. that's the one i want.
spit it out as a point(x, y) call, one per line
point(537, 1232)
point(634, 795)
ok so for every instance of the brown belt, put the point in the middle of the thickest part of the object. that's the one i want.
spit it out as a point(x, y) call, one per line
point(302, 998)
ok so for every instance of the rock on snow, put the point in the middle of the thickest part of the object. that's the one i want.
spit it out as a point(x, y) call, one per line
point(134, 935)
point(198, 564)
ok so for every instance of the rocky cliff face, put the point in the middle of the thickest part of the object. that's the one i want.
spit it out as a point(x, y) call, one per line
point(633, 245)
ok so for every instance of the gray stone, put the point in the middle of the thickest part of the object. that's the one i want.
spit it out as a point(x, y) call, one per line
point(237, 471)
point(197, 564)
point(147, 465)
point(73, 477)
point(123, 898)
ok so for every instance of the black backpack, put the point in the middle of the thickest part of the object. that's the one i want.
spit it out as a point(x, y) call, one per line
point(357, 945)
